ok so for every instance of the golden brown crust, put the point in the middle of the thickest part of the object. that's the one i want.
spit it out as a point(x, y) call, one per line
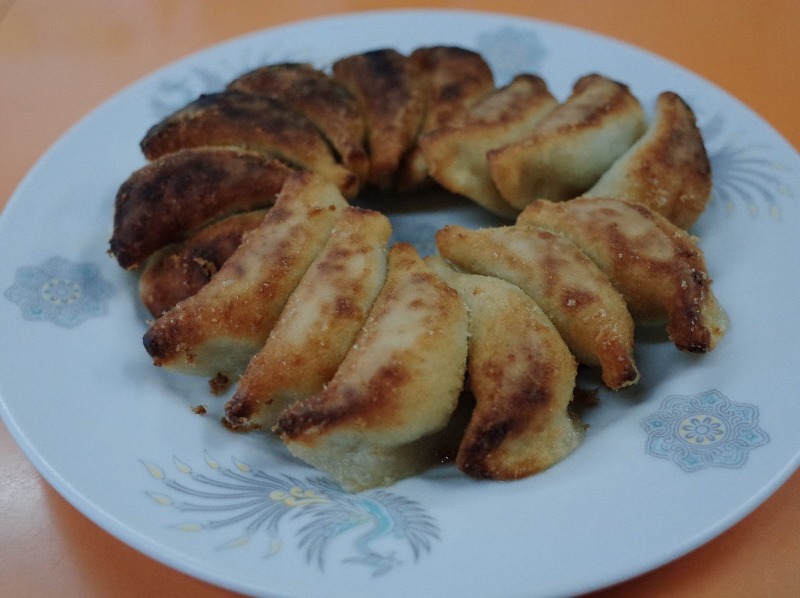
point(221, 327)
point(456, 154)
point(588, 312)
point(572, 146)
point(454, 79)
point(260, 123)
point(318, 325)
point(172, 197)
point(396, 387)
point(389, 91)
point(667, 169)
point(178, 271)
point(656, 266)
point(321, 98)
point(522, 376)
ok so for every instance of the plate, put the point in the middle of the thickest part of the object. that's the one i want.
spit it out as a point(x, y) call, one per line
point(665, 467)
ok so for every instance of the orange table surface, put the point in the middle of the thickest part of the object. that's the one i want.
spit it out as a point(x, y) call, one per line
point(61, 58)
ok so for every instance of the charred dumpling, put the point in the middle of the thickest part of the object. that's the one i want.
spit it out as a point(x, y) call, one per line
point(253, 122)
point(391, 97)
point(322, 99)
point(172, 197)
point(216, 332)
point(667, 169)
point(576, 295)
point(572, 146)
point(384, 415)
point(522, 376)
point(654, 264)
point(180, 270)
point(453, 79)
point(456, 154)
point(319, 323)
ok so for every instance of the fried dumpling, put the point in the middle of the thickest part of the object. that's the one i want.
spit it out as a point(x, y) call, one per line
point(572, 147)
point(254, 122)
point(667, 169)
point(522, 376)
point(656, 265)
point(390, 94)
point(318, 325)
point(456, 154)
point(172, 197)
point(454, 79)
point(178, 271)
point(380, 418)
point(322, 99)
point(576, 295)
point(217, 331)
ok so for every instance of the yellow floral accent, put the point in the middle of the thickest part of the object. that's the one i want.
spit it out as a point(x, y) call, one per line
point(237, 542)
point(155, 471)
point(189, 527)
point(212, 463)
point(182, 467)
point(297, 497)
point(161, 499)
point(242, 466)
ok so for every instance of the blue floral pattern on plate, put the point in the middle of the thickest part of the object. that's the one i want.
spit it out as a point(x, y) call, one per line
point(704, 430)
point(60, 291)
point(384, 525)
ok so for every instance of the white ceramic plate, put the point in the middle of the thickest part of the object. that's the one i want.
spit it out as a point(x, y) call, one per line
point(665, 467)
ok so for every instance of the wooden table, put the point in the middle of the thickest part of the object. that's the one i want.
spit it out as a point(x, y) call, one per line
point(60, 59)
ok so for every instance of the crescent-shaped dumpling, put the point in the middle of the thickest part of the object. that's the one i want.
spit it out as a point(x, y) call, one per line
point(318, 325)
point(216, 331)
point(454, 79)
point(667, 169)
point(656, 265)
point(381, 417)
point(172, 197)
point(391, 98)
point(522, 376)
point(456, 154)
point(576, 295)
point(572, 146)
point(254, 122)
point(178, 271)
point(319, 97)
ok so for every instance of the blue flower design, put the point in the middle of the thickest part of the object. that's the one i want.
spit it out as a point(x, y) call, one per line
point(511, 50)
point(60, 291)
point(705, 430)
point(382, 526)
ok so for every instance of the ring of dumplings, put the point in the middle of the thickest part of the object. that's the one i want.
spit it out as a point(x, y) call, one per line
point(369, 361)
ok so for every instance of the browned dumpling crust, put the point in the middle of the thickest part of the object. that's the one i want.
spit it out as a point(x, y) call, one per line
point(572, 146)
point(576, 295)
point(216, 331)
point(456, 154)
point(322, 99)
point(390, 94)
point(667, 169)
point(380, 417)
point(254, 122)
point(454, 79)
point(178, 271)
point(172, 197)
point(319, 323)
point(656, 265)
point(522, 376)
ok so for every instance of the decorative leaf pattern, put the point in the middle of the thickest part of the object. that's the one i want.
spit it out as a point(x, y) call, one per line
point(385, 529)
